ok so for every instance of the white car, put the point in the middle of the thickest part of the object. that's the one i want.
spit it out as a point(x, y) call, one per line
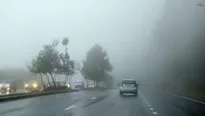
point(129, 86)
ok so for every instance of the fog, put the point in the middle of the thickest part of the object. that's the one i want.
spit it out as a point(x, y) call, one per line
point(123, 28)
point(148, 40)
point(176, 53)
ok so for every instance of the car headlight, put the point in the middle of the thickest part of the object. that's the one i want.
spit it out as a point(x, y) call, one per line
point(35, 85)
point(7, 85)
point(0, 85)
point(26, 85)
point(68, 85)
point(8, 88)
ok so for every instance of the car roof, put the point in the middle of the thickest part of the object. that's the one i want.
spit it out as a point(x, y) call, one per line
point(128, 81)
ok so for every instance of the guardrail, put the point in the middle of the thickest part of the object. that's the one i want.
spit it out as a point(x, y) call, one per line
point(93, 88)
point(10, 97)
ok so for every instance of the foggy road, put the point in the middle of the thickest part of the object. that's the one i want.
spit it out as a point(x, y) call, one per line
point(97, 103)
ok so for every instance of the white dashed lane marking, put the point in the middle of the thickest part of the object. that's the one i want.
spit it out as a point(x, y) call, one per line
point(147, 103)
point(143, 98)
point(93, 98)
point(151, 108)
point(155, 113)
point(68, 108)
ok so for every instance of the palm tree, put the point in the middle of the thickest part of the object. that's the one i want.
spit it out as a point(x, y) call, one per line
point(65, 43)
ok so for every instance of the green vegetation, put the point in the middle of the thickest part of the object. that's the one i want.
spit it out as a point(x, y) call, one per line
point(67, 65)
point(97, 66)
point(50, 61)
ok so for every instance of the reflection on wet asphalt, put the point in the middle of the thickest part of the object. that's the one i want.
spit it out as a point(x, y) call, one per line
point(94, 103)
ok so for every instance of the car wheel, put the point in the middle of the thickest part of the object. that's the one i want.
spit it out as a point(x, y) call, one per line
point(121, 94)
point(135, 94)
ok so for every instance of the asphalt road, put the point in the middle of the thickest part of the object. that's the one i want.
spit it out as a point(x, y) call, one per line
point(104, 103)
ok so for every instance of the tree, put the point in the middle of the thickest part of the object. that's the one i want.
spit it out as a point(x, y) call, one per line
point(42, 67)
point(67, 65)
point(83, 71)
point(109, 79)
point(65, 41)
point(50, 61)
point(50, 58)
point(97, 64)
point(35, 68)
point(47, 60)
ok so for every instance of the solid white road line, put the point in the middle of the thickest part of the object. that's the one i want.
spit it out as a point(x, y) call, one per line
point(185, 98)
point(93, 98)
point(155, 113)
point(143, 98)
point(151, 108)
point(68, 108)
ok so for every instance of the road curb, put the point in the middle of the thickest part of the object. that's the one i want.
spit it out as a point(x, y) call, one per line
point(30, 95)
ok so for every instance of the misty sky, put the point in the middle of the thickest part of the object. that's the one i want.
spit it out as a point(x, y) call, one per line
point(120, 26)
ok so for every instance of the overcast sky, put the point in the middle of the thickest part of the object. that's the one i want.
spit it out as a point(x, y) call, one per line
point(122, 27)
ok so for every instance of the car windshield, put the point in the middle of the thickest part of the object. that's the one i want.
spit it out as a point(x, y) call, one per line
point(102, 57)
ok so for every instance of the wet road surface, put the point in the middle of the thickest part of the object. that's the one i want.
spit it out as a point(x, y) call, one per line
point(99, 103)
